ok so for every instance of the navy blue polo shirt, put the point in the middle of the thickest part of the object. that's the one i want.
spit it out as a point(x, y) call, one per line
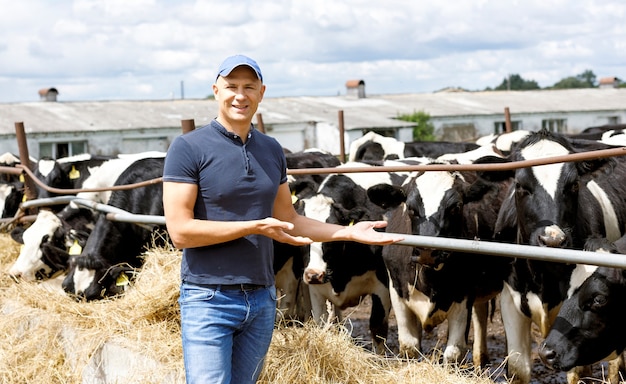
point(236, 182)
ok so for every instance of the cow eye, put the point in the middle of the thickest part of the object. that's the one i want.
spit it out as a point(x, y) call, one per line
point(599, 301)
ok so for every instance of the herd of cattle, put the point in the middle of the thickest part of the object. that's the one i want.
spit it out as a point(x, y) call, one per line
point(579, 205)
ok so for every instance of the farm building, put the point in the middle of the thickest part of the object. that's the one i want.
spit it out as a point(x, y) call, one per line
point(57, 129)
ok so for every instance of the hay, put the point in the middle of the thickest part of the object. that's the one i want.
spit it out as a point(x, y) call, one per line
point(327, 355)
point(50, 338)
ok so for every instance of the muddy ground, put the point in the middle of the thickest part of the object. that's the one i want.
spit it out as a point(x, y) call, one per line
point(358, 319)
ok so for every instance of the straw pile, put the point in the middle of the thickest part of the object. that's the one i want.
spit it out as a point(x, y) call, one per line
point(50, 338)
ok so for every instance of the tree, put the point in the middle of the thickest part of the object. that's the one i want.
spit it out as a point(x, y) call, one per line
point(587, 79)
point(516, 83)
point(424, 129)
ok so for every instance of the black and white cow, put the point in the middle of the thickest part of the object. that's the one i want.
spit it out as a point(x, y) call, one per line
point(590, 325)
point(503, 142)
point(295, 301)
point(43, 239)
point(344, 272)
point(375, 147)
point(429, 286)
point(49, 241)
point(67, 172)
point(557, 205)
point(114, 248)
point(11, 186)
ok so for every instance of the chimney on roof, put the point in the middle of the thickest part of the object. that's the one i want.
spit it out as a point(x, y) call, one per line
point(48, 94)
point(356, 88)
point(609, 82)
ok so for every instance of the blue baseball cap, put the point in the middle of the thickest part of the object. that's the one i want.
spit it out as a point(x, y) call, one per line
point(235, 61)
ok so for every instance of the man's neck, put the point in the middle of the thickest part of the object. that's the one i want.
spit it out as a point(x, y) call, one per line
point(240, 130)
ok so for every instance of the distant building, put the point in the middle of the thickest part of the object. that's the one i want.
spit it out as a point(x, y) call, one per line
point(298, 123)
point(355, 88)
point(48, 94)
point(609, 82)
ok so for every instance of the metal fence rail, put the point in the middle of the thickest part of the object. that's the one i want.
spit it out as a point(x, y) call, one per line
point(516, 250)
point(460, 245)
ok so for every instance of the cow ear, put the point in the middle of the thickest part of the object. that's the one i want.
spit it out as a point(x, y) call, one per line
point(591, 165)
point(506, 223)
point(498, 175)
point(386, 196)
point(476, 190)
point(615, 275)
point(17, 233)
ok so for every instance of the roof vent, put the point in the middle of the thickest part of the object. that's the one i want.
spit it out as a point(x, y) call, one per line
point(356, 88)
point(48, 94)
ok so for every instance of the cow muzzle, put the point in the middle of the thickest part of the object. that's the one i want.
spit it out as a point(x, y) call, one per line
point(552, 236)
point(312, 276)
point(431, 258)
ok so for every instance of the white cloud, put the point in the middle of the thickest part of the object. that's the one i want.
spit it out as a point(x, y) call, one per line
point(120, 49)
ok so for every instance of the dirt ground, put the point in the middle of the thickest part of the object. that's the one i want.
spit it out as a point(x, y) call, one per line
point(358, 319)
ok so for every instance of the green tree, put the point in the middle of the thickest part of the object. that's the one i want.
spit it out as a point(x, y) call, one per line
point(587, 79)
point(424, 128)
point(516, 83)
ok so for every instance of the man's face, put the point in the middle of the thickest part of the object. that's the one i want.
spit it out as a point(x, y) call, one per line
point(239, 95)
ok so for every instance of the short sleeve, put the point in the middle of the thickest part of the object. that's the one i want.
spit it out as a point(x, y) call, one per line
point(180, 163)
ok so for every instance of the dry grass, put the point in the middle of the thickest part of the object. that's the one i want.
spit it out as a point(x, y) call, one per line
point(49, 338)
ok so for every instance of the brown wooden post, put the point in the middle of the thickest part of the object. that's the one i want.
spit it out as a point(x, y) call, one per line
point(30, 191)
point(188, 125)
point(507, 120)
point(342, 149)
point(259, 123)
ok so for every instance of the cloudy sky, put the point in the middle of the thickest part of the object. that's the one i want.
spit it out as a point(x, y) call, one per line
point(151, 49)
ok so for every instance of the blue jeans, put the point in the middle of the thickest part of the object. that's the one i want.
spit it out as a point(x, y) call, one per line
point(225, 333)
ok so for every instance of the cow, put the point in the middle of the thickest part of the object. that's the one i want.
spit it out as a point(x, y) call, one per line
point(43, 239)
point(429, 286)
point(67, 172)
point(49, 242)
point(375, 147)
point(344, 272)
point(589, 327)
point(302, 186)
point(295, 302)
point(503, 142)
point(112, 253)
point(600, 132)
point(556, 205)
point(11, 186)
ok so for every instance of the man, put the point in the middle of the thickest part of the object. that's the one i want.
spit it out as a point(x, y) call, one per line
point(226, 198)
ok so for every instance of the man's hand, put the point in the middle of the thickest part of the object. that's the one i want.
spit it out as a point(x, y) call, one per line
point(275, 229)
point(364, 232)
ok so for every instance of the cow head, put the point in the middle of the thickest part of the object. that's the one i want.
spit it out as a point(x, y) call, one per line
point(433, 201)
point(92, 278)
point(32, 264)
point(341, 199)
point(546, 197)
point(48, 243)
point(589, 327)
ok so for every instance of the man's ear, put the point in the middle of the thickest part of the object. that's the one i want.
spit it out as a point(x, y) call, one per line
point(215, 91)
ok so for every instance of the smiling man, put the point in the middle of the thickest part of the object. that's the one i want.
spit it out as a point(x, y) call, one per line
point(226, 198)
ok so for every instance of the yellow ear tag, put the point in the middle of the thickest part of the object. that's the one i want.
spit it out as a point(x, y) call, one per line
point(351, 223)
point(294, 198)
point(122, 280)
point(75, 249)
point(74, 173)
point(21, 178)
point(24, 198)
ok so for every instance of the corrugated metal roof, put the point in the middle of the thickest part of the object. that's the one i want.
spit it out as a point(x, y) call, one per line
point(370, 112)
